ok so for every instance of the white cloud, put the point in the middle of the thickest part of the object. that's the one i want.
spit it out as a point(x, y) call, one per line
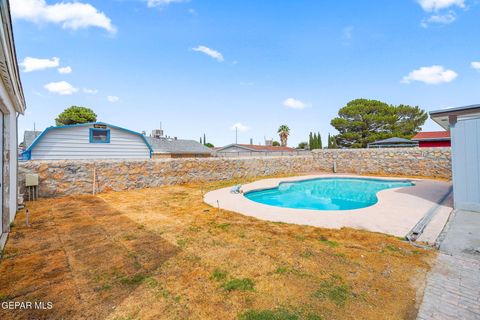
point(156, 3)
point(90, 91)
point(476, 65)
point(112, 98)
point(240, 127)
point(30, 64)
point(70, 15)
point(348, 33)
point(294, 104)
point(439, 9)
point(38, 94)
point(65, 70)
point(431, 75)
point(209, 52)
point(446, 18)
point(435, 5)
point(62, 88)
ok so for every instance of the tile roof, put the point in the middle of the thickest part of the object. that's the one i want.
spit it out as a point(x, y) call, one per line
point(253, 147)
point(266, 148)
point(167, 145)
point(392, 140)
point(432, 135)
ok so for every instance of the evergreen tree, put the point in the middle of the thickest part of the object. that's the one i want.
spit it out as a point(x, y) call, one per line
point(302, 145)
point(332, 141)
point(75, 115)
point(204, 139)
point(201, 140)
point(329, 141)
point(310, 141)
point(363, 121)
point(319, 141)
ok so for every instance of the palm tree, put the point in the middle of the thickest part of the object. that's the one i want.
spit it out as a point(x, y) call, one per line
point(283, 132)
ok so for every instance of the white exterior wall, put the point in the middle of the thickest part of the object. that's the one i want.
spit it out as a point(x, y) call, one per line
point(9, 155)
point(74, 143)
point(466, 164)
point(12, 102)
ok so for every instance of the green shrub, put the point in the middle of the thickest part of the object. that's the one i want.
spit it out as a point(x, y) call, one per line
point(279, 314)
point(330, 243)
point(334, 290)
point(244, 284)
point(133, 280)
point(268, 315)
point(219, 275)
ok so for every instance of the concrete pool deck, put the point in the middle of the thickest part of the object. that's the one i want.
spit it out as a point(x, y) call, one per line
point(397, 211)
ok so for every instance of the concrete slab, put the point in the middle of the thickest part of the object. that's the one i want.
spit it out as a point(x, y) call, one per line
point(463, 234)
point(396, 212)
point(434, 228)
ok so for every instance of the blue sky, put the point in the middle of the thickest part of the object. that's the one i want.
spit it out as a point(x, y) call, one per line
point(203, 66)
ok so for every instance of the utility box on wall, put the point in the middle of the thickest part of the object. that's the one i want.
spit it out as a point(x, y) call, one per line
point(31, 180)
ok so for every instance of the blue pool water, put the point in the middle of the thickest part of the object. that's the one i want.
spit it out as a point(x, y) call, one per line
point(326, 193)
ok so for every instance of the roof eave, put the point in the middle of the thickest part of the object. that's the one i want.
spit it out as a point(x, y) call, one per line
point(11, 74)
point(237, 145)
point(432, 139)
point(457, 110)
point(180, 152)
point(442, 116)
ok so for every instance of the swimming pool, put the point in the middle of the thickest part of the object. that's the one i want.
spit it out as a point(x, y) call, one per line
point(326, 193)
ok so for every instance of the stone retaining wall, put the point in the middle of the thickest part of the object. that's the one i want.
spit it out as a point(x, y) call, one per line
point(425, 162)
point(71, 177)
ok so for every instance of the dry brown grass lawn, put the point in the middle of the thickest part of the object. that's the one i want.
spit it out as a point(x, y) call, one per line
point(163, 254)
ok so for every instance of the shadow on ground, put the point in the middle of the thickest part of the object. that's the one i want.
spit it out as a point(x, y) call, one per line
point(427, 192)
point(73, 254)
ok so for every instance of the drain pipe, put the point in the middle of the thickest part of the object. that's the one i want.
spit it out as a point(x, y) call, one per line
point(418, 229)
point(94, 185)
point(334, 167)
point(16, 157)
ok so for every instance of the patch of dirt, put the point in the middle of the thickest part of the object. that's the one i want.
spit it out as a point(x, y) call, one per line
point(162, 253)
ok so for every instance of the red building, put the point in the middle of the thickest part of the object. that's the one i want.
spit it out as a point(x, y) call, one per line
point(433, 139)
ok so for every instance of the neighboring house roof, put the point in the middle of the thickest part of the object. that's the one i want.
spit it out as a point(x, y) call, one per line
point(27, 152)
point(29, 136)
point(258, 148)
point(177, 146)
point(393, 141)
point(450, 115)
point(432, 136)
point(8, 60)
